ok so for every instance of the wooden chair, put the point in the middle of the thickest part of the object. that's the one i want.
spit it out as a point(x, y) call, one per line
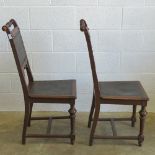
point(58, 91)
point(114, 92)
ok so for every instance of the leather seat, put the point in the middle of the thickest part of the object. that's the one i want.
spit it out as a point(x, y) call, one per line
point(53, 89)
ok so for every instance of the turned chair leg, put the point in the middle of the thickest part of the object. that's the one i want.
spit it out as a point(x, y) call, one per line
point(31, 106)
point(95, 120)
point(142, 114)
point(26, 120)
point(133, 118)
point(91, 112)
point(72, 112)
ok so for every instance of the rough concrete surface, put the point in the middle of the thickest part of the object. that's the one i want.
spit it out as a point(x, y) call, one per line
point(11, 129)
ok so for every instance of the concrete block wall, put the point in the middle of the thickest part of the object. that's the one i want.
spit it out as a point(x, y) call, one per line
point(123, 36)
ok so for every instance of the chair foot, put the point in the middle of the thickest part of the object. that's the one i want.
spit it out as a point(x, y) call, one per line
point(96, 116)
point(91, 142)
point(133, 125)
point(139, 144)
point(26, 122)
point(89, 124)
point(72, 139)
point(133, 122)
point(140, 140)
point(24, 140)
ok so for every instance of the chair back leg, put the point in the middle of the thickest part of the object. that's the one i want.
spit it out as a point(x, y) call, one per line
point(91, 112)
point(31, 106)
point(26, 121)
point(95, 120)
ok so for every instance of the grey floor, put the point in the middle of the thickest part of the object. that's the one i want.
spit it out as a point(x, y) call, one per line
point(11, 127)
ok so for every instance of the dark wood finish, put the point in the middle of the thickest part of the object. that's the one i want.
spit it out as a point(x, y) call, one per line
point(47, 118)
point(47, 136)
point(122, 90)
point(133, 118)
point(143, 114)
point(116, 137)
point(57, 91)
point(114, 92)
point(114, 119)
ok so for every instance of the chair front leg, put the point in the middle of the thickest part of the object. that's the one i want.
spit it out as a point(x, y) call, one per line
point(26, 120)
point(91, 111)
point(95, 120)
point(133, 118)
point(72, 112)
point(142, 114)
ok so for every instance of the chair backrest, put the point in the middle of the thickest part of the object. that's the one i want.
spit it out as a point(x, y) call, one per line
point(84, 28)
point(17, 45)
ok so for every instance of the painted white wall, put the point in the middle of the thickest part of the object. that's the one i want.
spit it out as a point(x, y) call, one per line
point(123, 36)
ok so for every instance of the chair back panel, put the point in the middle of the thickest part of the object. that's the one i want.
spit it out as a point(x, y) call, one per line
point(19, 52)
point(84, 28)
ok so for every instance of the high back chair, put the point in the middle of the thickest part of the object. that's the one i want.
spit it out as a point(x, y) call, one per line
point(114, 92)
point(57, 91)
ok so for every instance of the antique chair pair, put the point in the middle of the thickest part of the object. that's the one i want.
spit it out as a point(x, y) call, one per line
point(64, 91)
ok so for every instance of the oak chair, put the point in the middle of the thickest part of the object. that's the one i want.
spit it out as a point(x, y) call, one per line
point(114, 92)
point(57, 91)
